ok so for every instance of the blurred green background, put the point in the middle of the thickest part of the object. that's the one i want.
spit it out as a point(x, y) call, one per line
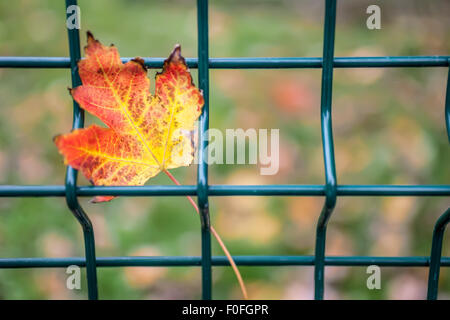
point(388, 126)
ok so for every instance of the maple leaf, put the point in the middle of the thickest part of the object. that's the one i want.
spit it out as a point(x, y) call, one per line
point(146, 133)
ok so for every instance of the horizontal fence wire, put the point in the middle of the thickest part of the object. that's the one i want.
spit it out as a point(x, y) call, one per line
point(189, 261)
point(331, 190)
point(250, 63)
point(228, 190)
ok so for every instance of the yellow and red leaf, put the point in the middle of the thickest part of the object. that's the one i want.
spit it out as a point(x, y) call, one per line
point(146, 133)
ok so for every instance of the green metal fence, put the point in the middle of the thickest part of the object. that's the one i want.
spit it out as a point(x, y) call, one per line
point(331, 190)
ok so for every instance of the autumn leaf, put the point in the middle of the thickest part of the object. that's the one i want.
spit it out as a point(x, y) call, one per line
point(146, 133)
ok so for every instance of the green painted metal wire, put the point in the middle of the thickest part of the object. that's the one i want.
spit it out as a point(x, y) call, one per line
point(202, 174)
point(186, 261)
point(229, 190)
point(331, 190)
point(251, 63)
point(71, 175)
point(328, 147)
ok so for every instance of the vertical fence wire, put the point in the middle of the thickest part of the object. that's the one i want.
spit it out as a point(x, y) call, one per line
point(202, 175)
point(71, 175)
point(436, 254)
point(328, 147)
point(447, 104)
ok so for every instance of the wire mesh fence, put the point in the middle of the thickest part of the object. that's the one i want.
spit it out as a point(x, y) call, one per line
point(330, 190)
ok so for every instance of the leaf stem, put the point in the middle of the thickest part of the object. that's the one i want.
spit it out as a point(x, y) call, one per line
point(219, 240)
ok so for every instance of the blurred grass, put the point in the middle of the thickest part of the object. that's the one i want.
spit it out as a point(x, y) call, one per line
point(388, 126)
